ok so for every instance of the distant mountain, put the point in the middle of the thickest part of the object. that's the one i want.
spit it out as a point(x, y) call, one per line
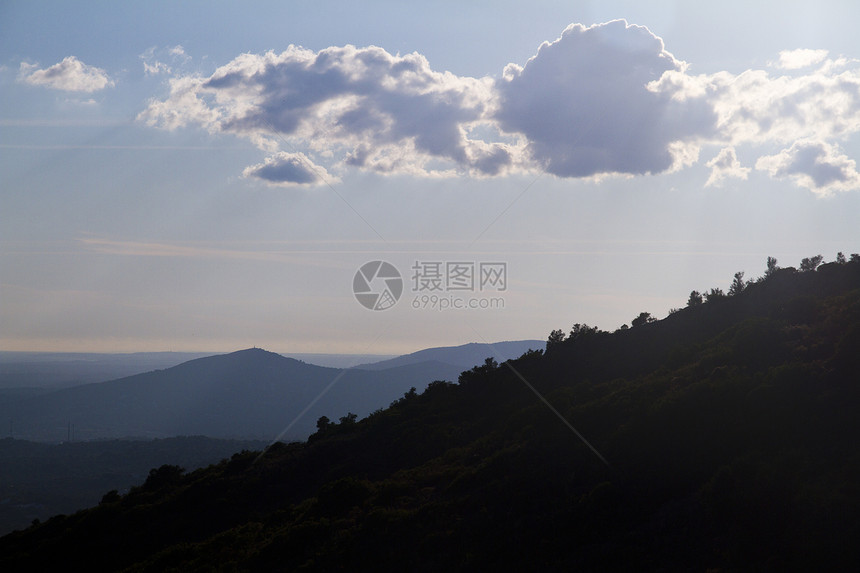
point(465, 356)
point(247, 394)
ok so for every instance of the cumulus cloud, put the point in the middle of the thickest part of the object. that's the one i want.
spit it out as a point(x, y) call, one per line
point(599, 100)
point(289, 169)
point(820, 167)
point(725, 165)
point(585, 104)
point(759, 109)
point(69, 75)
point(379, 111)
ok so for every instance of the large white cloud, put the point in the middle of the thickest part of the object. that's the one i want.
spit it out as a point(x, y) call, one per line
point(69, 75)
point(599, 100)
point(379, 111)
point(807, 112)
point(758, 108)
point(585, 103)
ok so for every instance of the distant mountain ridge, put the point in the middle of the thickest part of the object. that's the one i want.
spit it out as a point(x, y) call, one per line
point(251, 393)
point(336, 360)
point(465, 355)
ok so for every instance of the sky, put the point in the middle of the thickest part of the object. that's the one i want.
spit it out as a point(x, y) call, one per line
point(381, 177)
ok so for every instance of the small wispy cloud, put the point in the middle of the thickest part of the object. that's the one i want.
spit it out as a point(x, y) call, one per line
point(158, 61)
point(309, 258)
point(289, 169)
point(69, 75)
point(162, 249)
point(725, 166)
point(797, 59)
point(820, 167)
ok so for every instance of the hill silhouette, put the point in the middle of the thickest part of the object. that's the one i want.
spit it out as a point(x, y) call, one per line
point(721, 438)
point(246, 394)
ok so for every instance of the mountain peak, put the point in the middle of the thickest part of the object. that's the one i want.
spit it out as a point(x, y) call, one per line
point(253, 351)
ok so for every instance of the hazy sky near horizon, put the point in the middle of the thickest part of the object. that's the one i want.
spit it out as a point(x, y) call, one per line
point(210, 176)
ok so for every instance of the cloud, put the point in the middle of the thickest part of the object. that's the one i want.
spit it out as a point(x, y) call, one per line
point(585, 104)
point(816, 165)
point(155, 67)
point(381, 112)
point(607, 99)
point(807, 113)
point(758, 108)
point(724, 166)
point(204, 250)
point(69, 75)
point(288, 169)
point(153, 60)
point(803, 58)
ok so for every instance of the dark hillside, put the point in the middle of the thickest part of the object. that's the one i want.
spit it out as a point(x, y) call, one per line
point(730, 431)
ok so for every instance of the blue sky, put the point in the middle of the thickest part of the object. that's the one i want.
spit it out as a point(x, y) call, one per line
point(211, 176)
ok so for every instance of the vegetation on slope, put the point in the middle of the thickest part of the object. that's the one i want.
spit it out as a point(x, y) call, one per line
point(40, 480)
point(729, 428)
